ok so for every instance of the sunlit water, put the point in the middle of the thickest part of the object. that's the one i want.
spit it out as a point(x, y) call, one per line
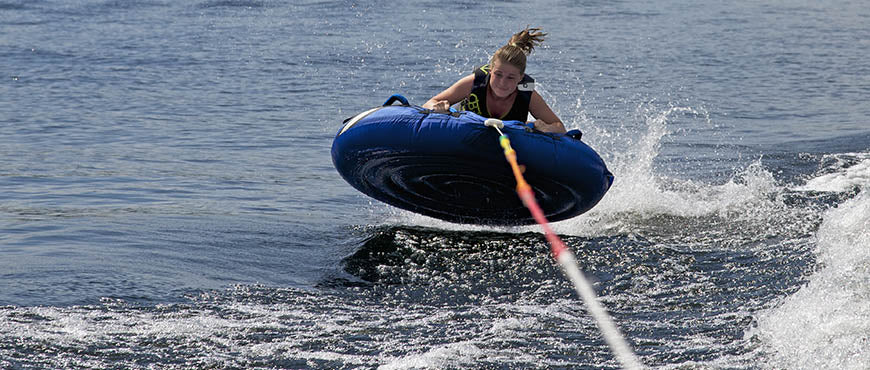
point(169, 200)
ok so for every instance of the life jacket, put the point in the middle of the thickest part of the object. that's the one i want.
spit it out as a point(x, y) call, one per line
point(476, 101)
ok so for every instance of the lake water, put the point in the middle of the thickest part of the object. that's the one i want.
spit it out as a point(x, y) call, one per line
point(168, 197)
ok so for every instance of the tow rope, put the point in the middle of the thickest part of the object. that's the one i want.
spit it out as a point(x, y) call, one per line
point(567, 260)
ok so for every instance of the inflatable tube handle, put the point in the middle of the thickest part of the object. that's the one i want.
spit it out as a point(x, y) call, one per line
point(574, 134)
point(398, 97)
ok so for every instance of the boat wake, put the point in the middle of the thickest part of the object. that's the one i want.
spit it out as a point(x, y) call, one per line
point(826, 324)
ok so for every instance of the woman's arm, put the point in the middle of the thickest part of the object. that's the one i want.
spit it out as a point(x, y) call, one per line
point(547, 121)
point(452, 95)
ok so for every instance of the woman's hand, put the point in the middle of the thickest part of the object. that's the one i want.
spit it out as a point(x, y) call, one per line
point(554, 127)
point(441, 103)
point(440, 106)
point(547, 121)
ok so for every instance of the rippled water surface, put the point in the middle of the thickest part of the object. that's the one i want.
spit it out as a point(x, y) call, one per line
point(169, 198)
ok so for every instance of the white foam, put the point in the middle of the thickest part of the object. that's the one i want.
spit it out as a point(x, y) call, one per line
point(396, 216)
point(503, 323)
point(646, 195)
point(312, 329)
point(844, 177)
point(463, 353)
point(826, 324)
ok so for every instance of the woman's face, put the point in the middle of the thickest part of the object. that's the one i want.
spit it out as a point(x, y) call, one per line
point(503, 78)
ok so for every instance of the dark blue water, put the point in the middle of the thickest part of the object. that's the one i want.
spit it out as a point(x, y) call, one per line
point(168, 198)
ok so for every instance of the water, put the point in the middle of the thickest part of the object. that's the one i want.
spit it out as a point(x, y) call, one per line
point(169, 200)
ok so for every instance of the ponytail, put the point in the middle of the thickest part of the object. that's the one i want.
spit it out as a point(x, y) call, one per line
point(520, 45)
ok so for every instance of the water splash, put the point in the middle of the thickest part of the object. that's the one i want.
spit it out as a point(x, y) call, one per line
point(640, 193)
point(826, 324)
point(638, 188)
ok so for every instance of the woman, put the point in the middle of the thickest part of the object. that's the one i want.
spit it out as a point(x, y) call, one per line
point(501, 89)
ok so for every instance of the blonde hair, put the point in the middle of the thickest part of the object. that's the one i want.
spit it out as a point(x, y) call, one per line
point(518, 47)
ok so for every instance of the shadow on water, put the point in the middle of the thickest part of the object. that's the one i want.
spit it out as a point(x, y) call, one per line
point(425, 265)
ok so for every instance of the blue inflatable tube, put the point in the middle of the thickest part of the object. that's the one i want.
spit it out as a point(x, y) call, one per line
point(451, 167)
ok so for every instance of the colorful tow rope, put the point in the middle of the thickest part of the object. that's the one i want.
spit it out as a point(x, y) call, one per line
point(566, 259)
